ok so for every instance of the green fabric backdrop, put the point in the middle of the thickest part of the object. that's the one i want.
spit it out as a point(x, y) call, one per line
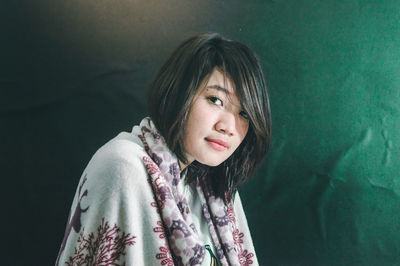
point(329, 191)
point(73, 75)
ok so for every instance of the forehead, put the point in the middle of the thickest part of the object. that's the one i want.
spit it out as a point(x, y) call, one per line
point(218, 81)
point(220, 84)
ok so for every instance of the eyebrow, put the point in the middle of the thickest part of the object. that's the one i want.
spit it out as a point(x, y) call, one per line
point(219, 88)
point(222, 89)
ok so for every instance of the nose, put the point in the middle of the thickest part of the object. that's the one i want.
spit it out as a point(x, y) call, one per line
point(226, 124)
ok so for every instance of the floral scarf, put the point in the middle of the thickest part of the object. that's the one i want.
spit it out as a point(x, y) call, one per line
point(228, 229)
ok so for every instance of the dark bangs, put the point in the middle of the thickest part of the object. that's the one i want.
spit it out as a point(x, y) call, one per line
point(174, 87)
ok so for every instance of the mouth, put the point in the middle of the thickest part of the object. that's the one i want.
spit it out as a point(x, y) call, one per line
point(217, 144)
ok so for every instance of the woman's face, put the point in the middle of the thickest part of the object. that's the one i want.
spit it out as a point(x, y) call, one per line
point(216, 124)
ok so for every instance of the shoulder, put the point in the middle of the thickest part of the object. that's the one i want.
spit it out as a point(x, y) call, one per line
point(123, 148)
point(118, 163)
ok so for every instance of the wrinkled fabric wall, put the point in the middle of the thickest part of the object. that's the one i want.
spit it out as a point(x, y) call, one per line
point(73, 75)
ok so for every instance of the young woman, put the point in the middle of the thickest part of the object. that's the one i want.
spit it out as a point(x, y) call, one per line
point(166, 193)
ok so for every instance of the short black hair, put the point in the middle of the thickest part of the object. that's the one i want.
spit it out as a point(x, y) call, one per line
point(171, 93)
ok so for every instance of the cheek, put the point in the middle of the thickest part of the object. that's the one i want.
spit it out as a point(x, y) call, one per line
point(201, 115)
point(243, 129)
point(242, 132)
point(194, 123)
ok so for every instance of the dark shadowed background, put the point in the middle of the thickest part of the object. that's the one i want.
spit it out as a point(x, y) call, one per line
point(73, 75)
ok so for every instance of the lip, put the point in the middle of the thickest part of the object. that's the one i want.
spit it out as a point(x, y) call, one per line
point(217, 144)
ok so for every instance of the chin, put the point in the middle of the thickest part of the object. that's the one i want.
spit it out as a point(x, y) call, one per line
point(211, 163)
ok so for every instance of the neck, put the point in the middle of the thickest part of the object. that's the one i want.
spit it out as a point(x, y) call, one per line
point(182, 166)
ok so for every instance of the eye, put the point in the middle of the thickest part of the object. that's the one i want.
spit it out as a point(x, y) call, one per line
point(215, 100)
point(244, 115)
